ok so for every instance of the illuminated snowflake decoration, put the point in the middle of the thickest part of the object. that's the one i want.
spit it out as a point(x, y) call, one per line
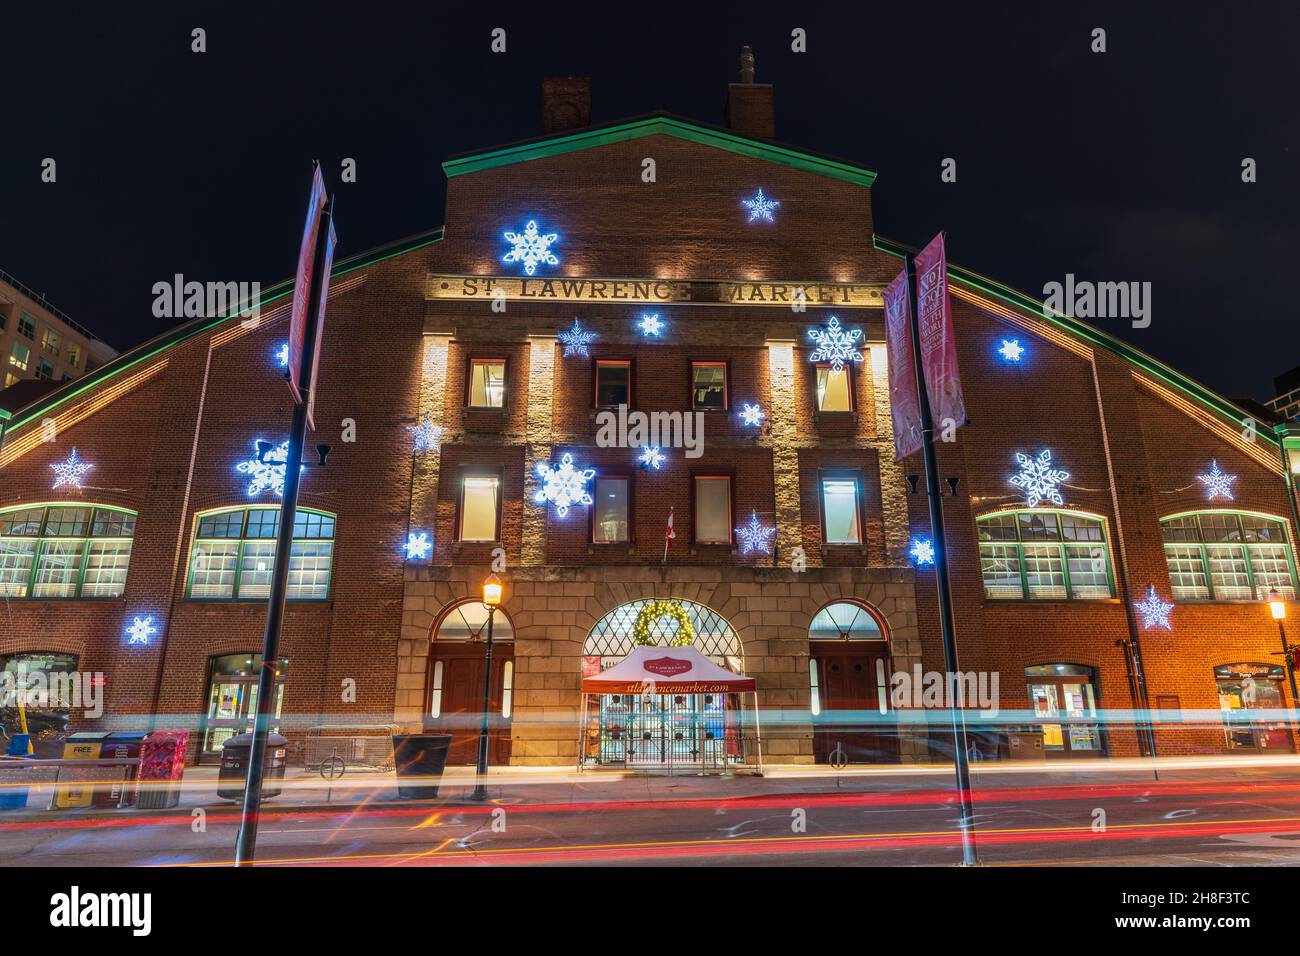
point(652, 456)
point(426, 437)
point(1039, 479)
point(265, 475)
point(835, 344)
point(418, 546)
point(1155, 612)
point(564, 485)
point(1011, 350)
point(922, 552)
point(531, 248)
point(752, 415)
point(755, 536)
point(576, 340)
point(652, 324)
point(140, 630)
point(1218, 484)
point(282, 355)
point(70, 471)
point(760, 207)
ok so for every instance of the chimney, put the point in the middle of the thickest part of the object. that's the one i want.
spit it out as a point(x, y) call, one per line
point(750, 109)
point(566, 103)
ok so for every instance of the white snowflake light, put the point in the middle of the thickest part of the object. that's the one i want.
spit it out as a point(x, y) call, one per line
point(760, 207)
point(1039, 479)
point(576, 340)
point(268, 474)
point(922, 552)
point(70, 471)
point(564, 485)
point(140, 630)
point(755, 536)
point(282, 355)
point(1218, 484)
point(418, 546)
point(651, 324)
point(531, 247)
point(426, 437)
point(652, 456)
point(1155, 612)
point(1011, 350)
point(835, 344)
point(752, 415)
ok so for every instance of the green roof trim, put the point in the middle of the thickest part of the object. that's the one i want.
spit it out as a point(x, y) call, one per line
point(665, 126)
point(142, 353)
point(1206, 397)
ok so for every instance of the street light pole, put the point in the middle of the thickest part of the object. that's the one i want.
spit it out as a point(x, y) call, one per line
point(491, 599)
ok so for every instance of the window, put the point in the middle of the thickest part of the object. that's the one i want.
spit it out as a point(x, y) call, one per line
point(50, 341)
point(65, 551)
point(20, 355)
point(712, 509)
point(1227, 556)
point(613, 383)
point(480, 507)
point(27, 325)
point(74, 356)
point(709, 386)
point(834, 389)
point(1044, 556)
point(844, 621)
point(234, 555)
point(609, 514)
point(1065, 701)
point(44, 370)
point(487, 383)
point(841, 510)
point(10, 378)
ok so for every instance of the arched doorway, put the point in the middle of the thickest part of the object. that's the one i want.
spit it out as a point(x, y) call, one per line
point(849, 670)
point(454, 683)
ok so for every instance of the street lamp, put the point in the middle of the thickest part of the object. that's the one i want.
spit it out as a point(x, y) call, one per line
point(1278, 609)
point(491, 600)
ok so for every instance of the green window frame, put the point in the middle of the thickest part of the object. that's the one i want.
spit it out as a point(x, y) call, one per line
point(65, 551)
point(1226, 555)
point(233, 556)
point(1044, 554)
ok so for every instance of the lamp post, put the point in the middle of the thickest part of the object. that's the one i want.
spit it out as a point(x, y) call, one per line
point(491, 601)
point(1278, 608)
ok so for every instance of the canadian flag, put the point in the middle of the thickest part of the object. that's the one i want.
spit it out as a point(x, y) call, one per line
point(669, 533)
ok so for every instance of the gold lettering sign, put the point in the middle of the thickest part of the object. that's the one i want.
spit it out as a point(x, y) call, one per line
point(655, 291)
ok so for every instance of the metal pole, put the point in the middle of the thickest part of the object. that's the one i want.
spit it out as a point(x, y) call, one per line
point(957, 714)
point(1286, 657)
point(246, 846)
point(480, 786)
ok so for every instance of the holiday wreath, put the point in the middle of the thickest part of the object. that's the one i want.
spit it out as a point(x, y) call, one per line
point(651, 612)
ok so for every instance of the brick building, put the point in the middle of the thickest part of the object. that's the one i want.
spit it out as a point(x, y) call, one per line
point(39, 342)
point(450, 373)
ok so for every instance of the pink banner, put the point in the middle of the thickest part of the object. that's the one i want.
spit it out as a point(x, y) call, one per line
point(938, 344)
point(902, 370)
point(302, 283)
point(331, 240)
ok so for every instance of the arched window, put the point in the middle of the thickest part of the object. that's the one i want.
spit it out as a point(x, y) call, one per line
point(611, 639)
point(1228, 556)
point(65, 551)
point(845, 621)
point(234, 554)
point(468, 622)
point(1044, 555)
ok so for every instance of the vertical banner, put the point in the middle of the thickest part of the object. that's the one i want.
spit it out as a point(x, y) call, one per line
point(331, 240)
point(938, 344)
point(902, 369)
point(302, 283)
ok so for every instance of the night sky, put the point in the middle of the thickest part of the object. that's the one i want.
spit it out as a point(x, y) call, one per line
point(1115, 167)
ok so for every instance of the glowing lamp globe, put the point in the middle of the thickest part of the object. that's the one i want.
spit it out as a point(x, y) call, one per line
point(492, 591)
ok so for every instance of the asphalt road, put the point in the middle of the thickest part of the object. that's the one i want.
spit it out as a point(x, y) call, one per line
point(1232, 818)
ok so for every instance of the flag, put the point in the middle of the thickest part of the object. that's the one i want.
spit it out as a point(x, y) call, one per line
point(669, 533)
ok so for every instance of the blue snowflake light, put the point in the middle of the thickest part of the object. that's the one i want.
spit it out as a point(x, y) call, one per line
point(1039, 479)
point(564, 485)
point(531, 248)
point(1155, 612)
point(651, 324)
point(426, 437)
point(835, 344)
point(751, 415)
point(140, 630)
point(1011, 350)
point(652, 456)
point(282, 355)
point(761, 207)
point(267, 472)
point(576, 340)
point(418, 546)
point(922, 552)
point(755, 536)
point(70, 471)
point(1218, 484)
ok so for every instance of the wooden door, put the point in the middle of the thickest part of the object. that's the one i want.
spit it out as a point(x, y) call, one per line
point(460, 710)
point(850, 726)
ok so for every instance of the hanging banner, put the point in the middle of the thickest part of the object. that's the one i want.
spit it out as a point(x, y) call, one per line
point(938, 344)
point(302, 283)
point(331, 240)
point(903, 406)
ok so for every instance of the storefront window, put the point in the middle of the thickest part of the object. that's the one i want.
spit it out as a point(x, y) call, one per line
point(1064, 699)
point(1251, 704)
point(35, 675)
point(232, 698)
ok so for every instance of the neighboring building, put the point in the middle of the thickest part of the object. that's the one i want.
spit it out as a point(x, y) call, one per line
point(153, 567)
point(1287, 402)
point(37, 341)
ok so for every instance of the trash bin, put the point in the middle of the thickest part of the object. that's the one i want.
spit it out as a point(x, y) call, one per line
point(422, 757)
point(162, 765)
point(123, 745)
point(234, 766)
point(13, 782)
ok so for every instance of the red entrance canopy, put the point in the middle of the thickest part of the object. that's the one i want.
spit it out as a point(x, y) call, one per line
point(669, 670)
